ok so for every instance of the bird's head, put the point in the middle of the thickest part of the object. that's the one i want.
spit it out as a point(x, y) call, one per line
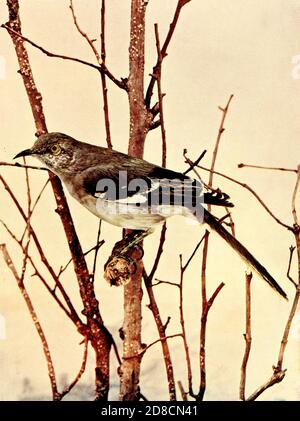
point(56, 150)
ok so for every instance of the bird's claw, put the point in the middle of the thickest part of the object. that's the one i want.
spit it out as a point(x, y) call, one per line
point(120, 266)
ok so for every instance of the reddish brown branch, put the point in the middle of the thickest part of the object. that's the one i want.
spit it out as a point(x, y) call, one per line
point(32, 167)
point(207, 304)
point(99, 336)
point(39, 275)
point(267, 168)
point(164, 49)
point(182, 323)
point(162, 334)
point(101, 61)
point(130, 369)
point(101, 68)
point(220, 132)
point(159, 252)
point(160, 96)
point(103, 78)
point(294, 209)
point(164, 338)
point(159, 282)
point(157, 318)
point(247, 336)
point(80, 372)
point(51, 371)
point(292, 249)
point(245, 186)
point(44, 260)
point(278, 371)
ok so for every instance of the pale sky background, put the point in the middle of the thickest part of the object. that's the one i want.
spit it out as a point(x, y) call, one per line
point(219, 48)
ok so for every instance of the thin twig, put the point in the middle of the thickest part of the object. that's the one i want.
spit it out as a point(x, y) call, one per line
point(35, 205)
point(51, 371)
point(278, 372)
point(164, 48)
point(161, 331)
point(80, 372)
point(97, 248)
point(103, 78)
point(182, 323)
point(245, 186)
point(206, 304)
point(267, 168)
point(102, 69)
point(30, 167)
point(159, 253)
point(159, 282)
point(45, 261)
point(193, 254)
point(247, 336)
point(160, 96)
point(192, 164)
point(182, 391)
point(37, 272)
point(292, 249)
point(295, 193)
point(101, 61)
point(220, 132)
point(164, 338)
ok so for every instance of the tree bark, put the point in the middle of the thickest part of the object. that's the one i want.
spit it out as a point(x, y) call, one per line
point(139, 126)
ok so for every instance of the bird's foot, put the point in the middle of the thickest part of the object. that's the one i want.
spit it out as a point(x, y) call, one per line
point(122, 263)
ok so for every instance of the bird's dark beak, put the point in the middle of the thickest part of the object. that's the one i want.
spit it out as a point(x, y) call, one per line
point(26, 152)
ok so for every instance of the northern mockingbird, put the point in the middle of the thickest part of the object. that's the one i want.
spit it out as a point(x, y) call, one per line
point(132, 193)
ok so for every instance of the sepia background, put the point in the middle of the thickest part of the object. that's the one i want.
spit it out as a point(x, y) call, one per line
point(219, 48)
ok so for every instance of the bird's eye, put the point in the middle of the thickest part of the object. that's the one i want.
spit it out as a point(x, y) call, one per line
point(55, 149)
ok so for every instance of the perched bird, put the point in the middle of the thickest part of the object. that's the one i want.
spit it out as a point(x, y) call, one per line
point(131, 192)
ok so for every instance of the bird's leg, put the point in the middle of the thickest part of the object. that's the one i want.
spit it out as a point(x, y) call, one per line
point(133, 239)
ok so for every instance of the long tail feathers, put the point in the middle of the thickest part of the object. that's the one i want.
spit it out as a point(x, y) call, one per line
point(243, 252)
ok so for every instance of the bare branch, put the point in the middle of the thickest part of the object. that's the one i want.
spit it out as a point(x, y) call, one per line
point(193, 254)
point(206, 304)
point(245, 186)
point(164, 338)
point(192, 164)
point(160, 96)
point(38, 274)
point(101, 68)
point(247, 336)
point(294, 210)
point(164, 49)
point(220, 132)
point(35, 205)
point(182, 391)
point(101, 62)
point(267, 168)
point(31, 167)
point(292, 249)
point(277, 377)
point(80, 372)
point(45, 261)
point(158, 254)
point(103, 78)
point(51, 371)
point(162, 334)
point(159, 282)
point(182, 323)
point(278, 372)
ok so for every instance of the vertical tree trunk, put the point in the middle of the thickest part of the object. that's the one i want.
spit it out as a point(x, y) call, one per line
point(129, 387)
